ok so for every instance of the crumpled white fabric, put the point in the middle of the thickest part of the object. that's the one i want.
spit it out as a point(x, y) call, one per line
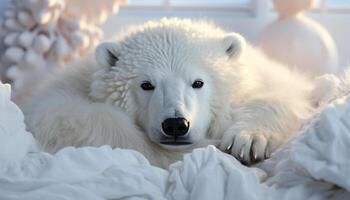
point(15, 142)
point(211, 174)
point(314, 165)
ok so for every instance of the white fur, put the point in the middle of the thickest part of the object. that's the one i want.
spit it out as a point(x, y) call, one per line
point(248, 103)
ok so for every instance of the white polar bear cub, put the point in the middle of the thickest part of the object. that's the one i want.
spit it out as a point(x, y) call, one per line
point(169, 86)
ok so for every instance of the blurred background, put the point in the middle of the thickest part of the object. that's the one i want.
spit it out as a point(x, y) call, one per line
point(247, 17)
point(311, 35)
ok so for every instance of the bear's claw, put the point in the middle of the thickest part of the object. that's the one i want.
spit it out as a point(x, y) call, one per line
point(248, 148)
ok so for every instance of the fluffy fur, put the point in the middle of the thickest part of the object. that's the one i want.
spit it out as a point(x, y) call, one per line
point(248, 105)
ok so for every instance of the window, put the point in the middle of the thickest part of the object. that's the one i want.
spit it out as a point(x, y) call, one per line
point(337, 3)
point(326, 6)
point(191, 4)
point(209, 2)
point(334, 5)
point(188, 2)
point(145, 2)
point(219, 5)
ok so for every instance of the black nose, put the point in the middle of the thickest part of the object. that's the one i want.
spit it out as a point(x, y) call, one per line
point(175, 126)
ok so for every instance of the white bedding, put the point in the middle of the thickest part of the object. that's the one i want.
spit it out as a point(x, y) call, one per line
point(314, 165)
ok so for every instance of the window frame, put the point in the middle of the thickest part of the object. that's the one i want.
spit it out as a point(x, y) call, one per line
point(254, 8)
point(250, 8)
point(324, 7)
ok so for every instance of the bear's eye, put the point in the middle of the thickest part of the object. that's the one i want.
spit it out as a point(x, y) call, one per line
point(197, 84)
point(147, 86)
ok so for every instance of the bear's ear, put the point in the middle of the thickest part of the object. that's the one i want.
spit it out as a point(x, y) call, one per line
point(234, 45)
point(107, 54)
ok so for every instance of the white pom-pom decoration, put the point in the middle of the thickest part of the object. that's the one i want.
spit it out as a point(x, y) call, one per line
point(11, 39)
point(298, 41)
point(80, 40)
point(14, 54)
point(25, 19)
point(41, 44)
point(12, 72)
point(31, 59)
point(25, 39)
point(12, 25)
point(291, 8)
point(40, 36)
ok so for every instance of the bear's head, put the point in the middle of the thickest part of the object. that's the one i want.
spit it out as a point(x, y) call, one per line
point(170, 77)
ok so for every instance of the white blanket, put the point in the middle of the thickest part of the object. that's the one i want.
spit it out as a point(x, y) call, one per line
point(314, 165)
